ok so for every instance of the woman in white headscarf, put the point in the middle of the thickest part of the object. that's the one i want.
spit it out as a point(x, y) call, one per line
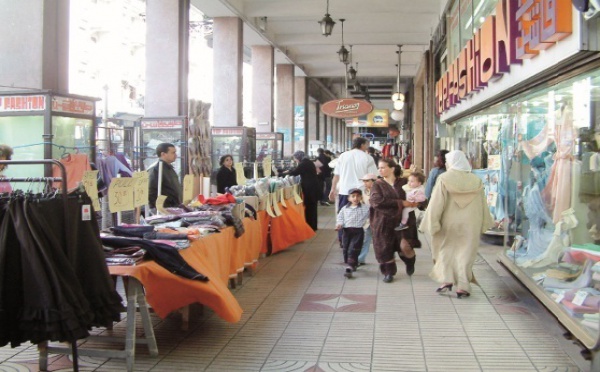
point(456, 217)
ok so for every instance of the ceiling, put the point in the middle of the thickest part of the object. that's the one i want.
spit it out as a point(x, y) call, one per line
point(374, 28)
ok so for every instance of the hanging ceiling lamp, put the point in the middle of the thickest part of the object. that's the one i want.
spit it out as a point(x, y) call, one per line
point(343, 52)
point(352, 71)
point(327, 23)
point(398, 97)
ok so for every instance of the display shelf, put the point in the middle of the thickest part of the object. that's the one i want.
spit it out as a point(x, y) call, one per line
point(571, 324)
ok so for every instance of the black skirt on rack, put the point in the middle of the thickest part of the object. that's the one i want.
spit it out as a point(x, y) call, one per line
point(51, 288)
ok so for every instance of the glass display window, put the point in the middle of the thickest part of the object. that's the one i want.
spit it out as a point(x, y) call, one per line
point(26, 138)
point(73, 134)
point(539, 156)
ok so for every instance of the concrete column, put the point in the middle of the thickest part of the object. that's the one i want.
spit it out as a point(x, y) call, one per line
point(34, 45)
point(313, 123)
point(284, 112)
point(227, 71)
point(337, 136)
point(315, 135)
point(167, 56)
point(330, 131)
point(301, 114)
point(323, 126)
point(263, 85)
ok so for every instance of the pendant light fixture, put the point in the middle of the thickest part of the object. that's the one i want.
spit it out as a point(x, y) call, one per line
point(398, 97)
point(343, 52)
point(327, 23)
point(352, 71)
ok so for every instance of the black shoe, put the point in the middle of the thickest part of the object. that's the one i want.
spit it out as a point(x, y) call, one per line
point(444, 288)
point(325, 204)
point(388, 279)
point(348, 273)
point(362, 263)
point(462, 294)
point(410, 264)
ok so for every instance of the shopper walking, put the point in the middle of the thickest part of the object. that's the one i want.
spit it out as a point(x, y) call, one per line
point(456, 217)
point(368, 180)
point(351, 222)
point(439, 168)
point(387, 201)
point(350, 167)
point(226, 176)
point(324, 176)
point(310, 186)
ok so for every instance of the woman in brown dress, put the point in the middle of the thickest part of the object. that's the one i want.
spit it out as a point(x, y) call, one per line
point(387, 201)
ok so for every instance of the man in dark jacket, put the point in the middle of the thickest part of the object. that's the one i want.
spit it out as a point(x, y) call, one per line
point(324, 176)
point(170, 187)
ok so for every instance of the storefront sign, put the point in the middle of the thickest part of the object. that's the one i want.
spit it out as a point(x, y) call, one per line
point(162, 124)
point(22, 103)
point(72, 105)
point(346, 108)
point(376, 118)
point(266, 136)
point(519, 30)
point(216, 131)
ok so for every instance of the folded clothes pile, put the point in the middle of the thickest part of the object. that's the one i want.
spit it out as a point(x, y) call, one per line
point(127, 256)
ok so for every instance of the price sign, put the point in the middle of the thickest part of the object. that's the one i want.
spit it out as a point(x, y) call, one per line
point(188, 188)
point(267, 166)
point(90, 183)
point(282, 197)
point(120, 195)
point(160, 204)
point(239, 173)
point(140, 188)
point(268, 208)
point(580, 296)
point(297, 197)
point(276, 205)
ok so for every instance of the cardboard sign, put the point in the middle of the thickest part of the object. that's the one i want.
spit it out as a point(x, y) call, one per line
point(297, 197)
point(276, 205)
point(239, 173)
point(188, 188)
point(90, 183)
point(282, 197)
point(160, 204)
point(268, 167)
point(120, 195)
point(269, 207)
point(140, 188)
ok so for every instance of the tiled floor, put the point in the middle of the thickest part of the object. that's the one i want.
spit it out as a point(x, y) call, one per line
point(301, 314)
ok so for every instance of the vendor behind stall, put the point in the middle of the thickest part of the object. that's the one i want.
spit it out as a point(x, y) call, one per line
point(170, 186)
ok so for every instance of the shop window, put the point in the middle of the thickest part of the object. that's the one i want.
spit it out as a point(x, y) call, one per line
point(538, 155)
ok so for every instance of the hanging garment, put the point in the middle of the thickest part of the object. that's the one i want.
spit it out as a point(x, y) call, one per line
point(94, 279)
point(75, 165)
point(54, 286)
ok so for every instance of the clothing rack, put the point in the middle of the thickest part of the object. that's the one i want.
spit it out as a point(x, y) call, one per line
point(134, 289)
point(63, 181)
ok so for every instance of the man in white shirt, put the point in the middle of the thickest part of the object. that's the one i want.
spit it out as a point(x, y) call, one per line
point(350, 168)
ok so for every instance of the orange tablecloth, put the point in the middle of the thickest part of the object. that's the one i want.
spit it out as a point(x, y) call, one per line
point(289, 228)
point(265, 221)
point(217, 256)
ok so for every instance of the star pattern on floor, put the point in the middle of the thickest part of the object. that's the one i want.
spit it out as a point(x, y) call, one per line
point(338, 303)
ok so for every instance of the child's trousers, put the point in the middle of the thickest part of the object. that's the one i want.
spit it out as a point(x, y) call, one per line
point(352, 241)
